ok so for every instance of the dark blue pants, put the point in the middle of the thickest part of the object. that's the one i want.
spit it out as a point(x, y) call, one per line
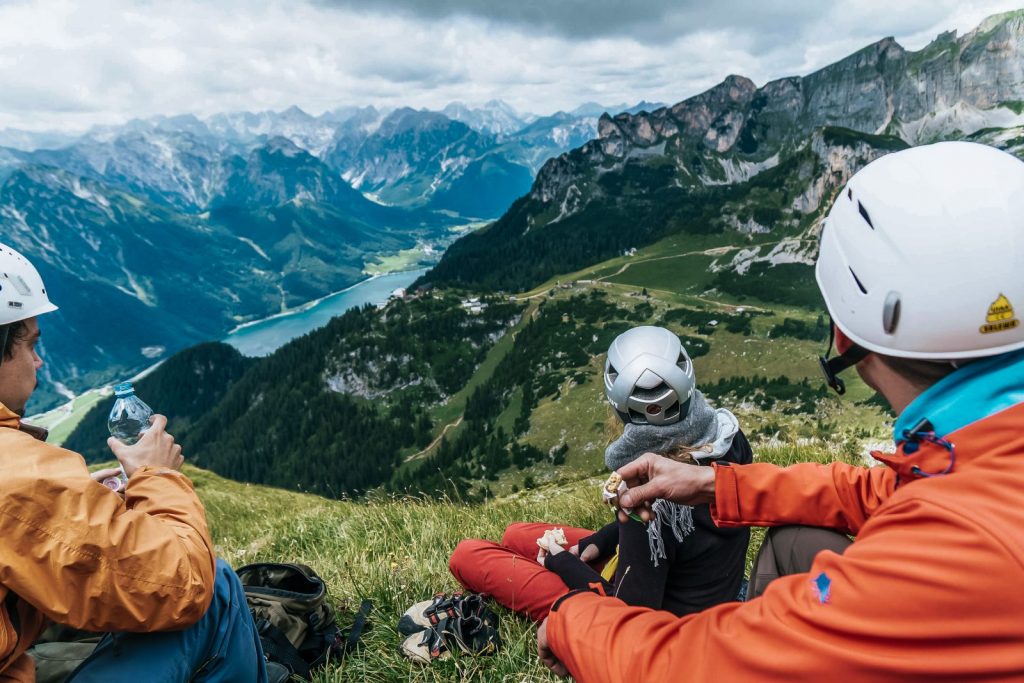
point(222, 647)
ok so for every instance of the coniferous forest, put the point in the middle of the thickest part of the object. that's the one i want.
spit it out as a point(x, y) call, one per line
point(357, 394)
point(349, 408)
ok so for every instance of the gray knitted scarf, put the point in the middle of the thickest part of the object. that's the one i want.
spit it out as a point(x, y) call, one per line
point(703, 428)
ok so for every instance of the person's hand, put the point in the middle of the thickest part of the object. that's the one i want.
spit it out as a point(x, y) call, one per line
point(545, 653)
point(652, 476)
point(156, 448)
point(589, 554)
point(100, 475)
point(551, 549)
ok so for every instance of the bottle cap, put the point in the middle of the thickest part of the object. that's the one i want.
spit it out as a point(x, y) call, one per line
point(123, 389)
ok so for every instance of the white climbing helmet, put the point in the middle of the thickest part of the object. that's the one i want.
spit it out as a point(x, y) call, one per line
point(22, 293)
point(922, 255)
point(648, 377)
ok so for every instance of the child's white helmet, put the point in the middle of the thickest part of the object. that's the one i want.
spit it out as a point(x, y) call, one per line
point(648, 377)
point(22, 293)
point(922, 255)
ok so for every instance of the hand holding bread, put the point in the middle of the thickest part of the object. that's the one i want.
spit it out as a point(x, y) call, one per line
point(551, 543)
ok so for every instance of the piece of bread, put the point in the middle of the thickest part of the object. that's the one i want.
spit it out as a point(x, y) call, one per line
point(550, 536)
point(612, 489)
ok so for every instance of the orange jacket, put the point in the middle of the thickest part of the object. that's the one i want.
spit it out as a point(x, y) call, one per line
point(930, 590)
point(75, 553)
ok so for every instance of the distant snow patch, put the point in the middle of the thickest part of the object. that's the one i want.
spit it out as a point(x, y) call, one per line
point(570, 204)
point(255, 247)
point(740, 171)
point(137, 289)
point(152, 352)
point(961, 117)
point(789, 250)
point(61, 389)
point(375, 198)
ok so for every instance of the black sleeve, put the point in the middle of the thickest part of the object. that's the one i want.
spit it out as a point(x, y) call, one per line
point(739, 452)
point(606, 539)
point(637, 581)
point(574, 572)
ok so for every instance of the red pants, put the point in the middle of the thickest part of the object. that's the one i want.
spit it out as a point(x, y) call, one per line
point(509, 572)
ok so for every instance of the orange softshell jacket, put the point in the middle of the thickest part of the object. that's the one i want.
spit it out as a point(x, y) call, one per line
point(931, 590)
point(74, 552)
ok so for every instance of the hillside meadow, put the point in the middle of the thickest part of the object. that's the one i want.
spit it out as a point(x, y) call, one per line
point(394, 552)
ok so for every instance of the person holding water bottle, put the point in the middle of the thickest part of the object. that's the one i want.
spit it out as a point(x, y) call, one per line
point(129, 419)
point(140, 568)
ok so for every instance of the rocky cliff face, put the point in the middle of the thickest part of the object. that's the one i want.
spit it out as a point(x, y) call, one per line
point(407, 154)
point(751, 159)
point(953, 88)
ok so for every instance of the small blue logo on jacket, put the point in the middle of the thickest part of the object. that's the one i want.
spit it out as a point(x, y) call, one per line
point(822, 587)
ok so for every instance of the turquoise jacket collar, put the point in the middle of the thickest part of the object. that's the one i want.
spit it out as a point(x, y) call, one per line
point(974, 392)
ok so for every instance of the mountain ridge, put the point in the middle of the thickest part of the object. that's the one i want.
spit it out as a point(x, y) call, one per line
point(136, 279)
point(882, 94)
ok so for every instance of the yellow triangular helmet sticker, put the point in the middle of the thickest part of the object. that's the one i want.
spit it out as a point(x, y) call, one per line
point(1000, 316)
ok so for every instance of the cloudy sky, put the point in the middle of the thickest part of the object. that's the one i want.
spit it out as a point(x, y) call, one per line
point(72, 63)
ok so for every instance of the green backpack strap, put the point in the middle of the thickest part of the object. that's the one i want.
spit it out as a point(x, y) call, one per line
point(277, 648)
point(358, 626)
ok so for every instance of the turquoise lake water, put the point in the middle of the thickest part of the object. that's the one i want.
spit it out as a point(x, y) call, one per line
point(266, 336)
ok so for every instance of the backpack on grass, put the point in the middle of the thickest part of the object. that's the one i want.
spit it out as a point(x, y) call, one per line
point(298, 628)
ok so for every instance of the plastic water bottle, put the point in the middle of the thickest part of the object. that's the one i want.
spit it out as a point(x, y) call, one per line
point(129, 419)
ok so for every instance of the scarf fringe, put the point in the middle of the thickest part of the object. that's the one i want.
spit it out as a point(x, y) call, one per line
point(678, 518)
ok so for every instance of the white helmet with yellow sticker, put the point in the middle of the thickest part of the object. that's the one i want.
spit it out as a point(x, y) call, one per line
point(922, 254)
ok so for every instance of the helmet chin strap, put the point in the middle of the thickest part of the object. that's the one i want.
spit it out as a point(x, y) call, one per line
point(831, 367)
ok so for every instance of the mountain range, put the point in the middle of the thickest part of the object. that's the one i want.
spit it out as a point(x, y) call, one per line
point(136, 279)
point(702, 217)
point(740, 158)
point(168, 231)
point(746, 169)
point(401, 156)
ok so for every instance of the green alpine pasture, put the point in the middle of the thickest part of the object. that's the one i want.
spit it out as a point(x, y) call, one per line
point(394, 552)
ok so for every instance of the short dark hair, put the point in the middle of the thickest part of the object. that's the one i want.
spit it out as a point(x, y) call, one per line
point(921, 373)
point(11, 335)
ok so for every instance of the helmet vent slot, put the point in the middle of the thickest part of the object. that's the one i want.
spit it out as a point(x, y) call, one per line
point(863, 289)
point(20, 285)
point(652, 393)
point(865, 216)
point(891, 312)
point(636, 417)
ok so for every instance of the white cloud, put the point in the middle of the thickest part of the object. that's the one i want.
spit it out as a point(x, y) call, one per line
point(71, 64)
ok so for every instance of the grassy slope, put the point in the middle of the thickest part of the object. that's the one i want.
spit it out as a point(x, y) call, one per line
point(675, 273)
point(579, 416)
point(392, 552)
point(62, 421)
point(395, 553)
point(406, 259)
